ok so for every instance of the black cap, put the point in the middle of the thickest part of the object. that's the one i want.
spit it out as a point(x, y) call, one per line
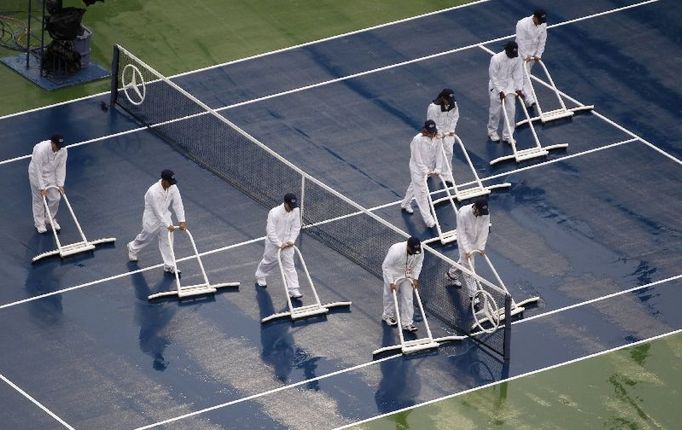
point(291, 200)
point(169, 176)
point(447, 94)
point(481, 204)
point(430, 126)
point(414, 245)
point(511, 49)
point(540, 15)
point(58, 140)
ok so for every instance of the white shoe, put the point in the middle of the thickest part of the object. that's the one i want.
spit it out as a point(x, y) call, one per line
point(295, 294)
point(391, 321)
point(55, 225)
point(431, 225)
point(494, 136)
point(261, 282)
point(131, 255)
point(171, 270)
point(407, 209)
point(454, 277)
point(41, 229)
point(410, 327)
point(508, 140)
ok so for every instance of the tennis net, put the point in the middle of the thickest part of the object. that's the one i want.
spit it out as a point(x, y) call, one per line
point(215, 143)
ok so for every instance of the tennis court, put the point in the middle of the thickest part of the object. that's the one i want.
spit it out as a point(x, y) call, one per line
point(592, 230)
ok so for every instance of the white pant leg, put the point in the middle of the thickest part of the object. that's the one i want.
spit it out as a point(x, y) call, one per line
point(53, 199)
point(165, 247)
point(446, 164)
point(409, 196)
point(494, 112)
point(405, 305)
point(389, 306)
point(420, 190)
point(290, 274)
point(527, 89)
point(37, 206)
point(143, 239)
point(268, 262)
point(469, 281)
point(510, 104)
point(40, 217)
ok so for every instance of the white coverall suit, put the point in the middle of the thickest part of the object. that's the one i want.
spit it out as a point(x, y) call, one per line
point(505, 76)
point(46, 168)
point(472, 234)
point(398, 264)
point(446, 122)
point(531, 39)
point(282, 226)
point(156, 219)
point(424, 159)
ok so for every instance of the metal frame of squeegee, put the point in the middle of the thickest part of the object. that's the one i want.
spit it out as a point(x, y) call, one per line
point(190, 290)
point(552, 115)
point(492, 312)
point(302, 311)
point(529, 153)
point(459, 194)
point(73, 248)
point(415, 345)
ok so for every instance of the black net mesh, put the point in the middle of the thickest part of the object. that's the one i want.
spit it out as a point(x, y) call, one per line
point(213, 143)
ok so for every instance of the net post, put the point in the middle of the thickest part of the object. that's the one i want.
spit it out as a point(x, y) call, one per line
point(506, 353)
point(302, 198)
point(114, 76)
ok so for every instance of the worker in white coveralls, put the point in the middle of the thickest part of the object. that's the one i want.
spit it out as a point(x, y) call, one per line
point(531, 35)
point(283, 227)
point(403, 260)
point(157, 221)
point(425, 159)
point(506, 81)
point(473, 226)
point(445, 113)
point(47, 168)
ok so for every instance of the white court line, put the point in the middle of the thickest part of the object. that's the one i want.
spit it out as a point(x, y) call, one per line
point(342, 371)
point(265, 54)
point(428, 57)
point(37, 403)
point(597, 114)
point(598, 299)
point(123, 275)
point(356, 213)
point(419, 59)
point(275, 390)
point(523, 375)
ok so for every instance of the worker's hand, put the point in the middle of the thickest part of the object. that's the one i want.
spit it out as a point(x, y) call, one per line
point(183, 226)
point(528, 58)
point(171, 228)
point(501, 95)
point(392, 286)
point(520, 94)
point(61, 190)
point(415, 284)
point(537, 59)
point(43, 193)
point(287, 244)
point(467, 255)
point(482, 251)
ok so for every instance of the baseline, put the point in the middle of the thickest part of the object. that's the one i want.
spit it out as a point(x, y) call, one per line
point(36, 402)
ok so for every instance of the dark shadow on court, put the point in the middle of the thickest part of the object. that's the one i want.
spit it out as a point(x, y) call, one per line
point(152, 317)
point(41, 280)
point(278, 348)
point(399, 387)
